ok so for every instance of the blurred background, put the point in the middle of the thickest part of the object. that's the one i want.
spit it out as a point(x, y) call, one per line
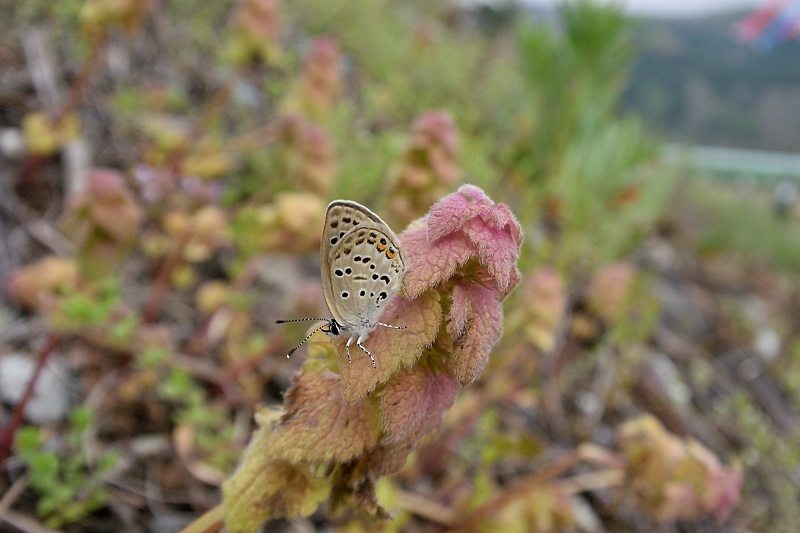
point(164, 171)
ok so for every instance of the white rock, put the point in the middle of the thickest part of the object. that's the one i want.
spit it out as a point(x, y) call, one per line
point(12, 144)
point(768, 344)
point(51, 397)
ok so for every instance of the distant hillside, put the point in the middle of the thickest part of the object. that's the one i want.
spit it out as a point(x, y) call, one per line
point(694, 82)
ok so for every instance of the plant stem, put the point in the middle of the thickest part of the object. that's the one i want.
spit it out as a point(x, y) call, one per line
point(211, 522)
point(87, 69)
point(7, 439)
point(161, 283)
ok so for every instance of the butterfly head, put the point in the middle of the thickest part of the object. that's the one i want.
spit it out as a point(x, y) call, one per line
point(333, 328)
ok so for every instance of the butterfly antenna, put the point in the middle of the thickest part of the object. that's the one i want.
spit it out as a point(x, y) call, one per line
point(288, 355)
point(299, 320)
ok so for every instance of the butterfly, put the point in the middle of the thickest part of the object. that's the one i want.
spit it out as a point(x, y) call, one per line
point(361, 267)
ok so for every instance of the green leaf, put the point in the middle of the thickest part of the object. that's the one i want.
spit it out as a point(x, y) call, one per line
point(80, 418)
point(26, 440)
point(45, 465)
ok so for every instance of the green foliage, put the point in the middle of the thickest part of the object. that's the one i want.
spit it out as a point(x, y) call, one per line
point(574, 149)
point(63, 16)
point(152, 357)
point(93, 308)
point(210, 421)
point(493, 443)
point(766, 454)
point(573, 80)
point(70, 484)
point(97, 306)
point(765, 237)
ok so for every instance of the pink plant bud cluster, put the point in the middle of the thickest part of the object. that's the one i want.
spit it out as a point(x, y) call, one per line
point(256, 32)
point(608, 291)
point(677, 478)
point(37, 285)
point(543, 304)
point(306, 155)
point(346, 424)
point(315, 93)
point(427, 167)
point(103, 221)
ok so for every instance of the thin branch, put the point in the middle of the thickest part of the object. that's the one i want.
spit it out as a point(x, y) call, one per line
point(161, 283)
point(12, 494)
point(211, 522)
point(7, 439)
point(427, 508)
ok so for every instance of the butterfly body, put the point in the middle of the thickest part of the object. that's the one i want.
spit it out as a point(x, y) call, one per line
point(361, 268)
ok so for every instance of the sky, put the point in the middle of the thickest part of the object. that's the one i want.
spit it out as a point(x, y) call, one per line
point(671, 8)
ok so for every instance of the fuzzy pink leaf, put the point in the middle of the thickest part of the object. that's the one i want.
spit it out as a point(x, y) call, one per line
point(414, 401)
point(484, 325)
point(496, 249)
point(726, 485)
point(492, 233)
point(451, 212)
point(389, 458)
point(429, 263)
point(319, 426)
point(392, 348)
point(513, 281)
point(504, 219)
point(460, 313)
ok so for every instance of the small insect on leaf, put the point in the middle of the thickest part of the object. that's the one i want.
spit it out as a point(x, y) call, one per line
point(362, 268)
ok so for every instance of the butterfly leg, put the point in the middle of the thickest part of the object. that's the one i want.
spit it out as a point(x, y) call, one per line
point(361, 338)
point(347, 348)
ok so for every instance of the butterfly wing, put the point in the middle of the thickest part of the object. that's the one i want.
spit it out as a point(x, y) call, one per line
point(361, 263)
